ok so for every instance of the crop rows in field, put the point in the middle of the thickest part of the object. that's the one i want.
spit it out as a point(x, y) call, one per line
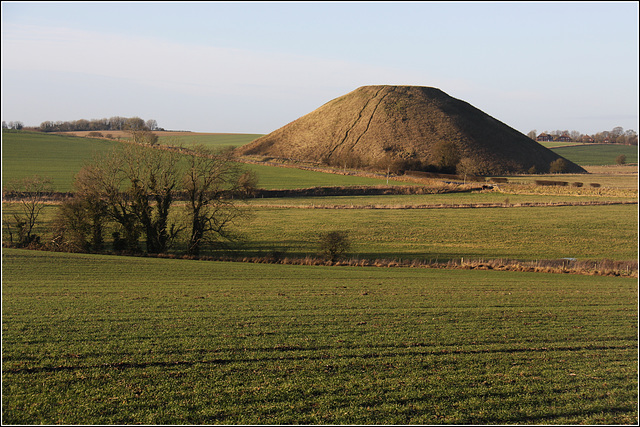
point(97, 340)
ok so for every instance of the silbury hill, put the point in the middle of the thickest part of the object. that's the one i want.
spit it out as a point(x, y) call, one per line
point(407, 128)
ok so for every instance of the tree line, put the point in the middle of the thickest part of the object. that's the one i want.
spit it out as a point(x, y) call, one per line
point(131, 194)
point(616, 135)
point(112, 123)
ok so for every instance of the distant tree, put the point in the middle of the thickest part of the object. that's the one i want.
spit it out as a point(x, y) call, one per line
point(575, 135)
point(558, 166)
point(152, 124)
point(134, 124)
point(248, 183)
point(334, 245)
point(4, 125)
point(532, 134)
point(446, 156)
point(621, 159)
point(144, 137)
point(117, 123)
point(32, 192)
point(616, 132)
point(468, 166)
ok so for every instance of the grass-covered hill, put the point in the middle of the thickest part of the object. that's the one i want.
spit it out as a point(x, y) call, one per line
point(422, 126)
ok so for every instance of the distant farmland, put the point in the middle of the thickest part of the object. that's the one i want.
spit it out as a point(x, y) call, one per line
point(598, 154)
point(62, 156)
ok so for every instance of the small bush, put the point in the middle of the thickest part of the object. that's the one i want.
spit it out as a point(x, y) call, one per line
point(558, 166)
point(621, 159)
point(551, 183)
point(334, 245)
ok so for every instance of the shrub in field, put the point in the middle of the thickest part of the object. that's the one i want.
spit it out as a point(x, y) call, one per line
point(621, 159)
point(79, 224)
point(334, 245)
point(558, 166)
point(551, 183)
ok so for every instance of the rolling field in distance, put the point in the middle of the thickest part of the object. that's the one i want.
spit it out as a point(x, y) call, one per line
point(56, 156)
point(522, 233)
point(598, 154)
point(91, 339)
point(61, 157)
point(211, 140)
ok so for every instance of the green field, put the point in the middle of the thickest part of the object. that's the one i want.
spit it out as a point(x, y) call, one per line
point(61, 157)
point(598, 154)
point(55, 156)
point(93, 339)
point(209, 140)
point(522, 233)
point(96, 339)
point(529, 233)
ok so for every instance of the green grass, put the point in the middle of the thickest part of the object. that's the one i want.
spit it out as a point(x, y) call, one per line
point(56, 156)
point(527, 233)
point(598, 154)
point(523, 233)
point(213, 141)
point(273, 177)
point(555, 144)
point(113, 340)
point(61, 157)
point(619, 177)
point(391, 201)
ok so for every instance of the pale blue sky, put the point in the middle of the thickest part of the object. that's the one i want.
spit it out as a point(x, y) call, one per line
point(255, 66)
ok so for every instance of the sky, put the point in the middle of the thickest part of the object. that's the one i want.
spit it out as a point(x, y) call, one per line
point(253, 67)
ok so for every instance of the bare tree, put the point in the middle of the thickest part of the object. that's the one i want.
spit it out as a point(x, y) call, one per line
point(154, 178)
point(210, 181)
point(32, 192)
point(468, 166)
point(105, 179)
point(137, 185)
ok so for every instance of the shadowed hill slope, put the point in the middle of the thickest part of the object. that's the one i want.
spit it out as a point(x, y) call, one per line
point(406, 128)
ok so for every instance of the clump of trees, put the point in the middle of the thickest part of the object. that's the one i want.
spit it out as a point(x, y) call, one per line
point(112, 123)
point(617, 135)
point(132, 193)
point(17, 125)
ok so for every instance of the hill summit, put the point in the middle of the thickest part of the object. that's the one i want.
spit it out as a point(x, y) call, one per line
point(406, 128)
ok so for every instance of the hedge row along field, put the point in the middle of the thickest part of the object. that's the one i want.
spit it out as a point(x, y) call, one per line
point(91, 339)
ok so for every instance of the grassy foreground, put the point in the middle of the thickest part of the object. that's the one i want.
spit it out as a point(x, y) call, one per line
point(98, 340)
